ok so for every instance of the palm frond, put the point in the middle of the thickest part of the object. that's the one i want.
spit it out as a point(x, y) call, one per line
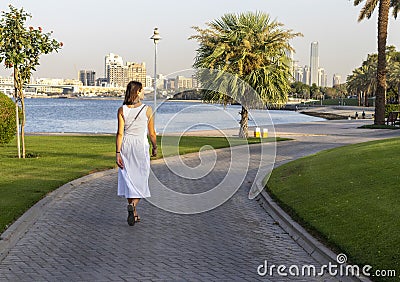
point(368, 9)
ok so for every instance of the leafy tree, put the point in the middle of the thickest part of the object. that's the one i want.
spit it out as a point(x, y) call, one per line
point(20, 49)
point(341, 90)
point(252, 49)
point(7, 119)
point(314, 89)
point(300, 90)
point(383, 19)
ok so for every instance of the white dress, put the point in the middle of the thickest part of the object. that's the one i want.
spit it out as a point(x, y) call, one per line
point(133, 179)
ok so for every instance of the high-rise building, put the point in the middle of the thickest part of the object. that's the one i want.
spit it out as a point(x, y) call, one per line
point(298, 74)
point(117, 75)
point(115, 71)
point(289, 54)
point(306, 75)
point(112, 59)
point(314, 63)
point(336, 79)
point(87, 77)
point(322, 77)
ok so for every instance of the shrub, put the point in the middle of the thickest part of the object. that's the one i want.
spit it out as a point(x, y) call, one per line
point(7, 119)
point(391, 108)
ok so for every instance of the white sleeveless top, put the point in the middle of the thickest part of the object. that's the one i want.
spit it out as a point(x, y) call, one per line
point(134, 127)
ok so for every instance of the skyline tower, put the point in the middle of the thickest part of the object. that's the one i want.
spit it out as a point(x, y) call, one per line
point(314, 63)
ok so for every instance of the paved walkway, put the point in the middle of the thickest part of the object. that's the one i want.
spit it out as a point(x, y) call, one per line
point(79, 233)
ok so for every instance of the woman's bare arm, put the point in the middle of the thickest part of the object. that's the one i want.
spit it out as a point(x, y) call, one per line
point(151, 131)
point(119, 136)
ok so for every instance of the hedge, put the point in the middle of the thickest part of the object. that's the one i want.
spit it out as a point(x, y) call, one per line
point(7, 119)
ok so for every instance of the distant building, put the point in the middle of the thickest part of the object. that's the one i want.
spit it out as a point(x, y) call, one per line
point(75, 82)
point(149, 81)
point(87, 77)
point(115, 71)
point(119, 75)
point(322, 77)
point(314, 63)
point(289, 54)
point(112, 59)
point(171, 84)
point(47, 82)
point(184, 82)
point(136, 72)
point(195, 82)
point(336, 79)
point(102, 82)
point(298, 74)
point(306, 75)
point(7, 80)
point(161, 81)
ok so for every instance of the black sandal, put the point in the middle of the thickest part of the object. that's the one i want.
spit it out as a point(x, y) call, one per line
point(131, 216)
point(137, 218)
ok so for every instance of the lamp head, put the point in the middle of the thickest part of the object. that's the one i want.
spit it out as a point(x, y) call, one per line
point(156, 36)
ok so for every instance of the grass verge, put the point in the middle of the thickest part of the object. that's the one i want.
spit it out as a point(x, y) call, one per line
point(382, 126)
point(349, 197)
point(56, 160)
point(328, 116)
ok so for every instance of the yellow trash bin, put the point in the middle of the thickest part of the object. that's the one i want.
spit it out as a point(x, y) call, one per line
point(264, 132)
point(257, 132)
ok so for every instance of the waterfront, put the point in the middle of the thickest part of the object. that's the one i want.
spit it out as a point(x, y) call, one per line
point(100, 116)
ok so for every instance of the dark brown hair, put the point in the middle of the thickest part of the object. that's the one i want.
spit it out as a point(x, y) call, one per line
point(132, 93)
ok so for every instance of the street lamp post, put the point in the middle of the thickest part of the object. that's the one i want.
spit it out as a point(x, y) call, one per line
point(156, 37)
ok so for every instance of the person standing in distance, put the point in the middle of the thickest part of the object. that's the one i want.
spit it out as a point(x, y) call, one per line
point(135, 123)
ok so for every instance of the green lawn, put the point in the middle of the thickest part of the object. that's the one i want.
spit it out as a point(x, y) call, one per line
point(338, 102)
point(59, 159)
point(349, 197)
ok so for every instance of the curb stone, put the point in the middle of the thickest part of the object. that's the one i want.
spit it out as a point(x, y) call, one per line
point(312, 246)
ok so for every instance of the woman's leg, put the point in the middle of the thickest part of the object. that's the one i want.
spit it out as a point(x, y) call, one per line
point(135, 203)
point(131, 210)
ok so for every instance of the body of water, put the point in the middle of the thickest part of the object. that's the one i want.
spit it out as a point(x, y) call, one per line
point(100, 116)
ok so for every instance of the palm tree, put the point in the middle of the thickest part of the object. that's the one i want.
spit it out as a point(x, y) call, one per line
point(251, 49)
point(383, 19)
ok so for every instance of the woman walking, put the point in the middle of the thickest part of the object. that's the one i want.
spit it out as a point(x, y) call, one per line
point(135, 122)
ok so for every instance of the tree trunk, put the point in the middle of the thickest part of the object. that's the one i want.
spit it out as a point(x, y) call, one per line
point(366, 99)
point(244, 127)
point(17, 113)
point(23, 124)
point(359, 98)
point(398, 95)
point(17, 125)
point(380, 101)
point(19, 95)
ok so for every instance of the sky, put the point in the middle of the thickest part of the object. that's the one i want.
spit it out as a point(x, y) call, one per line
point(90, 29)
